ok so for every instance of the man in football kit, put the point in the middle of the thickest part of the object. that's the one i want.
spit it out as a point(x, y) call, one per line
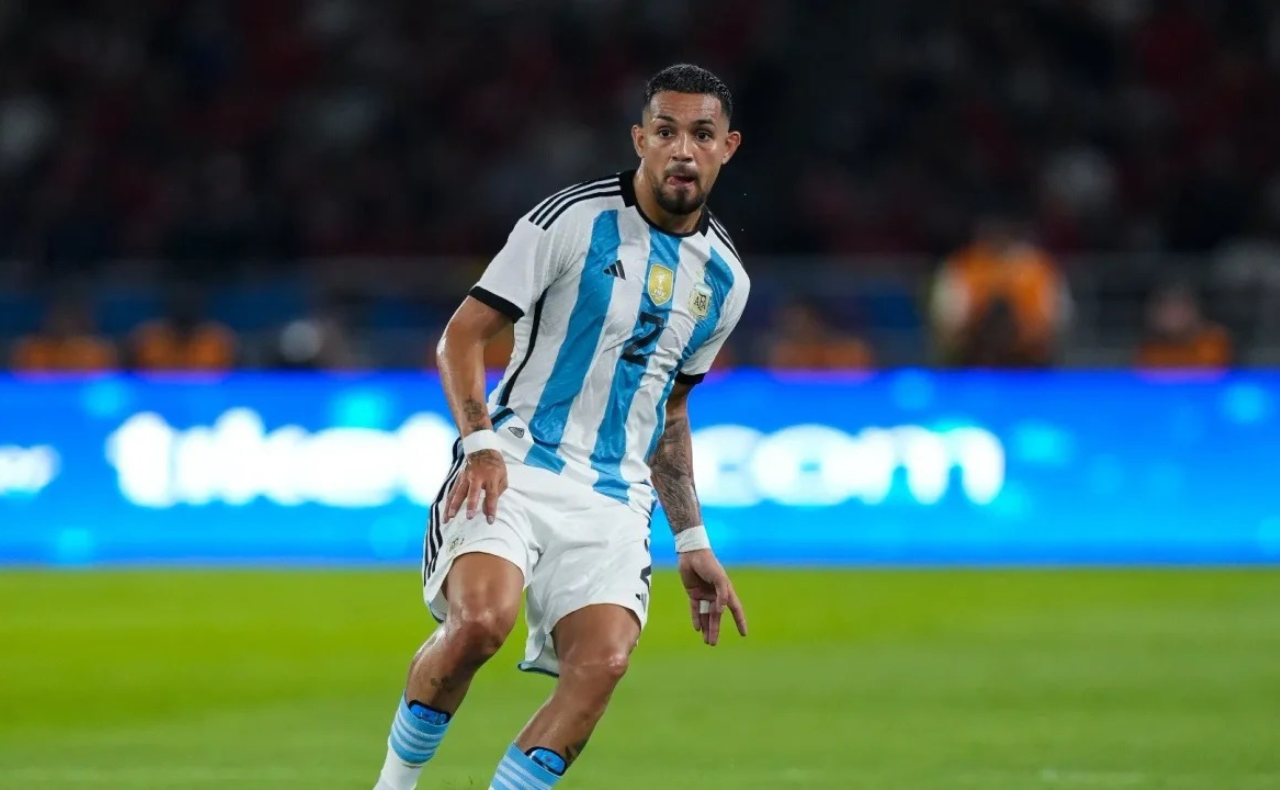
point(622, 290)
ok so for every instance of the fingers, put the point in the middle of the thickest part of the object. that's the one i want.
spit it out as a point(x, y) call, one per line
point(713, 617)
point(456, 497)
point(695, 615)
point(473, 499)
point(704, 622)
point(739, 614)
point(491, 495)
point(478, 495)
point(726, 597)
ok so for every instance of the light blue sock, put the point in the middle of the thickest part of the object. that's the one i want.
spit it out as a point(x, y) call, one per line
point(415, 735)
point(416, 732)
point(519, 771)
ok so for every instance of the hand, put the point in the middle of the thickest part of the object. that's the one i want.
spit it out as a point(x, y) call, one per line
point(484, 476)
point(704, 579)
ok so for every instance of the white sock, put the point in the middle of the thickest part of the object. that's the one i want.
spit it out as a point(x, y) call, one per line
point(396, 775)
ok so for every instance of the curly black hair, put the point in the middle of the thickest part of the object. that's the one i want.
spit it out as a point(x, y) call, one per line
point(687, 78)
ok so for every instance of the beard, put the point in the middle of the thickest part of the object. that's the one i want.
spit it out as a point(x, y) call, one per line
point(679, 202)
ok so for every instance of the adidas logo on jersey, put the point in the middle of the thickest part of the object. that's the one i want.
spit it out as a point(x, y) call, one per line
point(616, 270)
point(517, 431)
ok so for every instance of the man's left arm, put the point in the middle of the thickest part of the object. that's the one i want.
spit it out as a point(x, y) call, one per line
point(672, 465)
point(708, 586)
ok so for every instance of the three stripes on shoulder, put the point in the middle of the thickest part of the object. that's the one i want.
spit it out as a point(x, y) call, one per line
point(547, 212)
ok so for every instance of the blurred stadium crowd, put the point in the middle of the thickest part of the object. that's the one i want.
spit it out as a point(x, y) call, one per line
point(314, 183)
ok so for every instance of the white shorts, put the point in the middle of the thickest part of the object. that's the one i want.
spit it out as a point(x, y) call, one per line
point(575, 547)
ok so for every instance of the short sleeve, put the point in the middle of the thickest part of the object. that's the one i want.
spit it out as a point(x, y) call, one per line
point(530, 261)
point(699, 362)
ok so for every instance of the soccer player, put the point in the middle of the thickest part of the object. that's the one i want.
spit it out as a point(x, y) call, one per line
point(622, 290)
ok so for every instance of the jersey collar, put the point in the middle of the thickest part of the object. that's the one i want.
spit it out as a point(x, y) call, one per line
point(626, 181)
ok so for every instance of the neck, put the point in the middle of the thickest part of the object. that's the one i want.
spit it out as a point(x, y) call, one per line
point(649, 205)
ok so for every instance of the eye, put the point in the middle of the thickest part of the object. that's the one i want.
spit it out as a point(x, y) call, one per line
point(704, 136)
point(664, 132)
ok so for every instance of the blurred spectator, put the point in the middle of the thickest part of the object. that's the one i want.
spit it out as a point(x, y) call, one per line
point(27, 121)
point(1179, 336)
point(999, 302)
point(806, 340)
point(183, 340)
point(325, 340)
point(227, 132)
point(1251, 261)
point(232, 139)
point(67, 342)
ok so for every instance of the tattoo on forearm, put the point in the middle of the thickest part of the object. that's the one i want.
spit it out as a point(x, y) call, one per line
point(672, 469)
point(475, 413)
point(571, 752)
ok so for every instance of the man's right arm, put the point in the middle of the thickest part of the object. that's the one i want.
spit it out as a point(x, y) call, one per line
point(460, 359)
point(523, 269)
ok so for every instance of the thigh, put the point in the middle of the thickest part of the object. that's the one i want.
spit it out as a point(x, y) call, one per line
point(596, 634)
point(482, 585)
point(507, 546)
point(594, 557)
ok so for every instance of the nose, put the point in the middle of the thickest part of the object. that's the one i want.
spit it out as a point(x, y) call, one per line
point(683, 149)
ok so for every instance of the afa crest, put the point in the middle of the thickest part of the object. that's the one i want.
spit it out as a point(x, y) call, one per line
point(661, 283)
point(700, 301)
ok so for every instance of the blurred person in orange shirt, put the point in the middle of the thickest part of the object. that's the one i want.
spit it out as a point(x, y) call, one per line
point(1179, 336)
point(184, 339)
point(1000, 301)
point(806, 340)
point(67, 342)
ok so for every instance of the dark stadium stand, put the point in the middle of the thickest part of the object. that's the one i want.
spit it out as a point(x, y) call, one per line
point(235, 143)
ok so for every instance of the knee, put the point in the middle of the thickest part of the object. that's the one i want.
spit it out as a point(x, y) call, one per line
point(478, 634)
point(603, 670)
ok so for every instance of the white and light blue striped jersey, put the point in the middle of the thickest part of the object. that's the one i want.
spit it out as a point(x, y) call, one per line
point(610, 312)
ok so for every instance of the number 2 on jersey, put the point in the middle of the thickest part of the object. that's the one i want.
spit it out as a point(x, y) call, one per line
point(644, 340)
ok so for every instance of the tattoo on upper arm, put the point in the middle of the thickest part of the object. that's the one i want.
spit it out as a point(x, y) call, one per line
point(475, 414)
point(672, 469)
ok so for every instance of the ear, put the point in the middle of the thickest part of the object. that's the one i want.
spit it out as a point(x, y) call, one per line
point(637, 140)
point(731, 143)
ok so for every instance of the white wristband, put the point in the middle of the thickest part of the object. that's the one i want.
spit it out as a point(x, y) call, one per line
point(476, 441)
point(692, 539)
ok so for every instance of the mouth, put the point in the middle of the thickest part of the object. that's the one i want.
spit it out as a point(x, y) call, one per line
point(681, 180)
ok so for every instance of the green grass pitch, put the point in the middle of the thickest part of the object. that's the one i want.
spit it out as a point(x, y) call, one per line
point(853, 679)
